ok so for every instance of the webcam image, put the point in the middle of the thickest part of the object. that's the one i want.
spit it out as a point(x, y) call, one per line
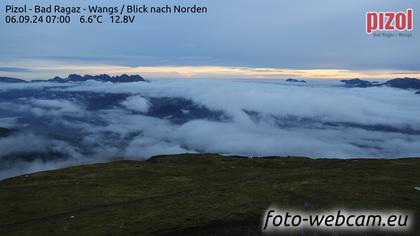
point(171, 117)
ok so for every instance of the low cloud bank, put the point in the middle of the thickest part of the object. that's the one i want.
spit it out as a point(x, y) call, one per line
point(137, 103)
point(252, 118)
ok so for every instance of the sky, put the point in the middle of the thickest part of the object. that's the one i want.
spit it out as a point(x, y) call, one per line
point(236, 39)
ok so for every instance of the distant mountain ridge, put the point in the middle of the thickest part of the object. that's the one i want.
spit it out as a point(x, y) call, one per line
point(405, 83)
point(79, 78)
point(295, 81)
point(358, 83)
point(401, 83)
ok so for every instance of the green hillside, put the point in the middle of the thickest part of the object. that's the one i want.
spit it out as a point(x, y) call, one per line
point(198, 194)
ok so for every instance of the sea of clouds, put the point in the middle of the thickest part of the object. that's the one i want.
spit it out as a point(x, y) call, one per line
point(96, 122)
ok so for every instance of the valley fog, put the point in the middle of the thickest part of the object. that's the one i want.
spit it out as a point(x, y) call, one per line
point(49, 125)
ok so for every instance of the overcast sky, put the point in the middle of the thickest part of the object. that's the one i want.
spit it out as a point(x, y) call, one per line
point(236, 38)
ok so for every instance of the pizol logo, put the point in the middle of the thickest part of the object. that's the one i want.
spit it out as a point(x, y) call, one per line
point(389, 21)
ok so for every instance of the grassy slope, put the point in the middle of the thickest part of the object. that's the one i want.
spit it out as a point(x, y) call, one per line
point(193, 194)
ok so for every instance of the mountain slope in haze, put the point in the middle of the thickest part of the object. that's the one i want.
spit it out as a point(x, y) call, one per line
point(199, 194)
point(11, 80)
point(404, 83)
point(357, 83)
point(401, 83)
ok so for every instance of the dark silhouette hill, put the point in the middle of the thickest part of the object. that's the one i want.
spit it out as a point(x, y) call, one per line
point(11, 80)
point(401, 83)
point(295, 81)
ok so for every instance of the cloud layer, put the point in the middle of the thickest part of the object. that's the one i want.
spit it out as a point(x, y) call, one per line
point(94, 121)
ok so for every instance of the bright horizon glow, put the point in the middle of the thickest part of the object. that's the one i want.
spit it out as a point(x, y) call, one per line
point(48, 69)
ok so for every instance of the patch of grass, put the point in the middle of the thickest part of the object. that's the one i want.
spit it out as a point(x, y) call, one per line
point(198, 194)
